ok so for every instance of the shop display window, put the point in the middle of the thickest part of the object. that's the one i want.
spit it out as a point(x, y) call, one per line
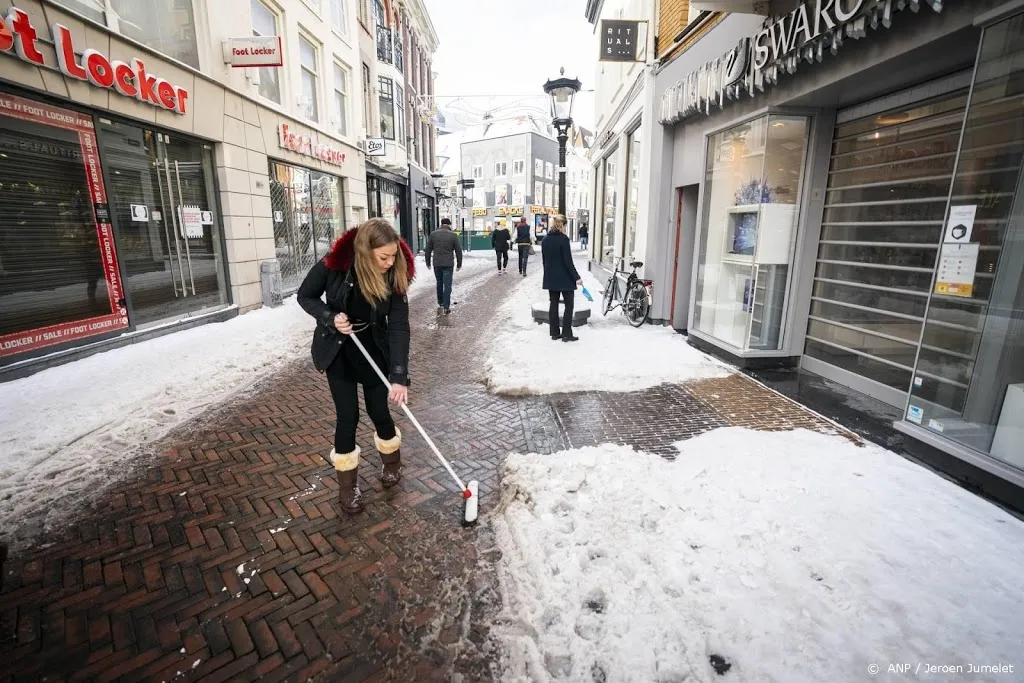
point(752, 193)
point(968, 381)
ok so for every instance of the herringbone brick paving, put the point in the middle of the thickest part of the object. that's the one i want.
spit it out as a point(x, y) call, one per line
point(226, 559)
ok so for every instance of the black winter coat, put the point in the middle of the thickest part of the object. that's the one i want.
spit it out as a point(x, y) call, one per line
point(523, 236)
point(560, 274)
point(501, 239)
point(333, 279)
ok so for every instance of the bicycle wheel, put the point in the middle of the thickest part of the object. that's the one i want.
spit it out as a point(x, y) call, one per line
point(609, 295)
point(635, 304)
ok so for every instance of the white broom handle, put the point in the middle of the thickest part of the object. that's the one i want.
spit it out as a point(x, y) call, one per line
point(408, 413)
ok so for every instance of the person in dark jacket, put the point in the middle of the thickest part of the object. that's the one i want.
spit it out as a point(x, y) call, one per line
point(445, 252)
point(364, 279)
point(584, 235)
point(560, 279)
point(524, 240)
point(501, 241)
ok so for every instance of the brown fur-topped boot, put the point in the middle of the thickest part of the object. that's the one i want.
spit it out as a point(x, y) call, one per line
point(347, 465)
point(391, 459)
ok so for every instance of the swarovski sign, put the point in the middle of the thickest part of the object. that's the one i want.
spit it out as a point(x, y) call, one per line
point(780, 47)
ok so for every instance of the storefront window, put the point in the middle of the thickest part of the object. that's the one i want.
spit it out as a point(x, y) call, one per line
point(264, 23)
point(612, 165)
point(968, 383)
point(308, 215)
point(59, 273)
point(752, 189)
point(167, 26)
point(385, 199)
point(632, 193)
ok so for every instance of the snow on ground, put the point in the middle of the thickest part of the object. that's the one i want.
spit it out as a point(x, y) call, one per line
point(795, 556)
point(610, 356)
point(68, 431)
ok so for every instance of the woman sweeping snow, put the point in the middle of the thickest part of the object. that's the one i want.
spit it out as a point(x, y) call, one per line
point(365, 278)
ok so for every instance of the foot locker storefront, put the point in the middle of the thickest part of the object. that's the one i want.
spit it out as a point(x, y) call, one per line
point(104, 226)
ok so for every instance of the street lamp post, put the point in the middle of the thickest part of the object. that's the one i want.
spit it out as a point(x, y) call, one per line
point(562, 91)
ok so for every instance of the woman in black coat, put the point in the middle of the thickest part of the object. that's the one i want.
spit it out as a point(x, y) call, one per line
point(365, 279)
point(560, 278)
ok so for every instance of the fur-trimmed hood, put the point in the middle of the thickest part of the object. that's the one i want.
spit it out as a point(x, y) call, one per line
point(344, 250)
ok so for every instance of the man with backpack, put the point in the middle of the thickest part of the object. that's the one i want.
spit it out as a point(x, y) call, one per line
point(501, 241)
point(445, 252)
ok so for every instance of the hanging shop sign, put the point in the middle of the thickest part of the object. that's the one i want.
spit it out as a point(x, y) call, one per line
point(19, 38)
point(375, 147)
point(80, 126)
point(619, 40)
point(308, 145)
point(781, 46)
point(254, 51)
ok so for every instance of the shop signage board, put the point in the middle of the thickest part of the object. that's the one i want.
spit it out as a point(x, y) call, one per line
point(254, 51)
point(375, 147)
point(958, 265)
point(619, 40)
point(308, 145)
point(780, 47)
point(191, 221)
point(117, 319)
point(19, 38)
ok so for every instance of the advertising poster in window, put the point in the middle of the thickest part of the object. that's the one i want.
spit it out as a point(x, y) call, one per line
point(55, 150)
point(538, 192)
point(518, 194)
point(500, 194)
point(538, 168)
point(549, 170)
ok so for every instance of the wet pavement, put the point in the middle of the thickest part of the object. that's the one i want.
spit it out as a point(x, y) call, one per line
point(226, 557)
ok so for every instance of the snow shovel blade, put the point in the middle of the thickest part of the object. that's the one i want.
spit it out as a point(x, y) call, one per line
point(472, 504)
point(587, 295)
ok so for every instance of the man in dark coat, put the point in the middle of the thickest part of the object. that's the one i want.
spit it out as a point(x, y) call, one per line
point(445, 252)
point(560, 279)
point(524, 241)
point(501, 241)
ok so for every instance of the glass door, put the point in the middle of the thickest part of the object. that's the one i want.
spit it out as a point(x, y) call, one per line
point(161, 195)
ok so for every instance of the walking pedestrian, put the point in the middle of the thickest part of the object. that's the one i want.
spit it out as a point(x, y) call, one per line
point(525, 243)
point(501, 240)
point(445, 252)
point(560, 279)
point(365, 280)
point(584, 236)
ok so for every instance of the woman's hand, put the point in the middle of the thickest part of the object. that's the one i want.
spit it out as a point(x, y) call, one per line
point(341, 324)
point(399, 394)
point(579, 283)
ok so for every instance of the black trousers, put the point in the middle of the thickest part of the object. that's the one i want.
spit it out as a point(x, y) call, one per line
point(570, 301)
point(524, 257)
point(346, 404)
point(502, 254)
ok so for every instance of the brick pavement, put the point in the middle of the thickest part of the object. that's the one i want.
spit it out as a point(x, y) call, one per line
point(226, 559)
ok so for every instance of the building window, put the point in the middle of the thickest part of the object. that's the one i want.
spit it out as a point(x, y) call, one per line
point(341, 97)
point(310, 106)
point(500, 169)
point(399, 51)
point(386, 98)
point(478, 171)
point(264, 23)
point(167, 26)
point(385, 51)
point(400, 133)
point(632, 191)
point(519, 167)
point(367, 109)
point(752, 188)
point(364, 12)
point(611, 207)
point(538, 168)
point(339, 21)
point(313, 5)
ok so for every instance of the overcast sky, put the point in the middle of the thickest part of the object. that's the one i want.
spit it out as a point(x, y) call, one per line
point(506, 49)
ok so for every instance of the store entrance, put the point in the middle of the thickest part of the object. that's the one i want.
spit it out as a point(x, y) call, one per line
point(161, 194)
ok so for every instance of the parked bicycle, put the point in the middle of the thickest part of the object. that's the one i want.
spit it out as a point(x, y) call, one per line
point(634, 298)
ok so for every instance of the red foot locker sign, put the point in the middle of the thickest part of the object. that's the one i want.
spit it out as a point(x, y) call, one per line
point(81, 126)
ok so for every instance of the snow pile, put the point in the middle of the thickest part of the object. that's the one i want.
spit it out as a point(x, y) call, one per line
point(792, 556)
point(66, 430)
point(610, 355)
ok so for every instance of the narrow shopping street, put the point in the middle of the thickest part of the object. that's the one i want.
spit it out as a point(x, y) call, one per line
point(225, 558)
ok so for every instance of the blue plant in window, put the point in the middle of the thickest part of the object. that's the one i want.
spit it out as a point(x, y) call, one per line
point(744, 239)
point(754, 192)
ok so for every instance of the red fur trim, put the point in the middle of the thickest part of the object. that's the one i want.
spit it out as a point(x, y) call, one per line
point(344, 250)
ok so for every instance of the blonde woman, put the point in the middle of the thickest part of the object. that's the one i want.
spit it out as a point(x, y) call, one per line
point(364, 279)
point(560, 279)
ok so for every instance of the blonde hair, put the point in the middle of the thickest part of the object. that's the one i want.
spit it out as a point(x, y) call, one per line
point(558, 223)
point(375, 285)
